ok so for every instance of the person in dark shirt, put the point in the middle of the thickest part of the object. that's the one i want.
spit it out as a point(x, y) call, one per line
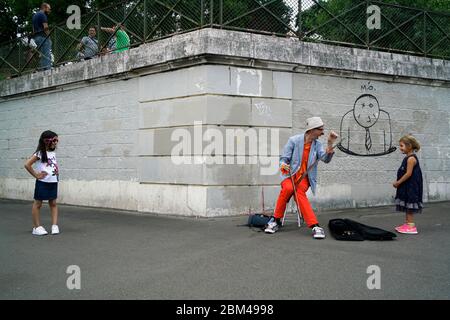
point(41, 35)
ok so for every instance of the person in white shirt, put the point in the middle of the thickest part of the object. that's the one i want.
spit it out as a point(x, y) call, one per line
point(47, 176)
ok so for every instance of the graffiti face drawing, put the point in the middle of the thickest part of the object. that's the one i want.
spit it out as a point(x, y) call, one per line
point(366, 128)
point(366, 110)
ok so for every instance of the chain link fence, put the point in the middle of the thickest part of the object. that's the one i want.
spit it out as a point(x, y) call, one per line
point(344, 22)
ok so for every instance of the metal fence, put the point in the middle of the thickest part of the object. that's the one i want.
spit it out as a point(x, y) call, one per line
point(343, 22)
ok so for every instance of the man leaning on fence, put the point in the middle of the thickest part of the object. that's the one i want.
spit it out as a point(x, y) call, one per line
point(41, 35)
point(88, 47)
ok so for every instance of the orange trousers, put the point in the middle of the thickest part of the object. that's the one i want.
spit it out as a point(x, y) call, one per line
point(286, 193)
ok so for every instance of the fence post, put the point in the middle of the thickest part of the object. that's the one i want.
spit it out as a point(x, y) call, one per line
point(211, 14)
point(20, 55)
point(54, 47)
point(145, 21)
point(202, 12)
point(99, 46)
point(424, 33)
point(220, 13)
point(299, 19)
point(367, 29)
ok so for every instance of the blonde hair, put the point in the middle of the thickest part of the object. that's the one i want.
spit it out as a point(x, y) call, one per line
point(410, 141)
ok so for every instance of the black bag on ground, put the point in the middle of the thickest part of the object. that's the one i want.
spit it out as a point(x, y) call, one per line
point(340, 230)
point(350, 230)
point(258, 220)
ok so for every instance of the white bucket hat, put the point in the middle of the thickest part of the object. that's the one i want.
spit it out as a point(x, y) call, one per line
point(312, 123)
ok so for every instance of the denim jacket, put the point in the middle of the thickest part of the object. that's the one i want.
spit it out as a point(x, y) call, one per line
point(293, 153)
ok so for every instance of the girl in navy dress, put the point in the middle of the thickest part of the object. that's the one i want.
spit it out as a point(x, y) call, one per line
point(409, 185)
point(46, 187)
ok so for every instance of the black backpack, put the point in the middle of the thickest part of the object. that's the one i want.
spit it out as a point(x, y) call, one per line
point(349, 230)
point(257, 220)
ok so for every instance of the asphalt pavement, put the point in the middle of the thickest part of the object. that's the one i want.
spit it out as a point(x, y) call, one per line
point(127, 255)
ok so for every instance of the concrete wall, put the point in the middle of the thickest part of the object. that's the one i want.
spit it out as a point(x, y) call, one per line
point(363, 181)
point(117, 117)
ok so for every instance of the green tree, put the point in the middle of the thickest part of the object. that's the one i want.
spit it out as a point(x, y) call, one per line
point(263, 15)
point(402, 28)
point(8, 27)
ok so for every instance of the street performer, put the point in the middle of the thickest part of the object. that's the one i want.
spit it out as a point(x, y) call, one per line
point(299, 156)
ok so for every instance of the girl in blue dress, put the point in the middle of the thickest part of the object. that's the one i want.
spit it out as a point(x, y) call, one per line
point(409, 185)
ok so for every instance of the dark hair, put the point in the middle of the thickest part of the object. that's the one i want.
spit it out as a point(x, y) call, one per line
point(42, 146)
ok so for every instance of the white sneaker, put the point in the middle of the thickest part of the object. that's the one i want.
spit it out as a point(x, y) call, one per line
point(55, 229)
point(272, 226)
point(39, 231)
point(318, 233)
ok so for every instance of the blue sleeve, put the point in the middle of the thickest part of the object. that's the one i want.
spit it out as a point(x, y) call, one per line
point(322, 154)
point(286, 156)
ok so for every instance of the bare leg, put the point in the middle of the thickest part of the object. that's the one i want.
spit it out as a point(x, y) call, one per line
point(35, 212)
point(409, 217)
point(54, 211)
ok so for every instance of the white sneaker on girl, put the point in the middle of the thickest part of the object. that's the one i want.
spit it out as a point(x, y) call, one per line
point(55, 229)
point(39, 231)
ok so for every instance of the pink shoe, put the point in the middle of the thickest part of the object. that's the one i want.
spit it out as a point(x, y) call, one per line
point(406, 229)
point(401, 227)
